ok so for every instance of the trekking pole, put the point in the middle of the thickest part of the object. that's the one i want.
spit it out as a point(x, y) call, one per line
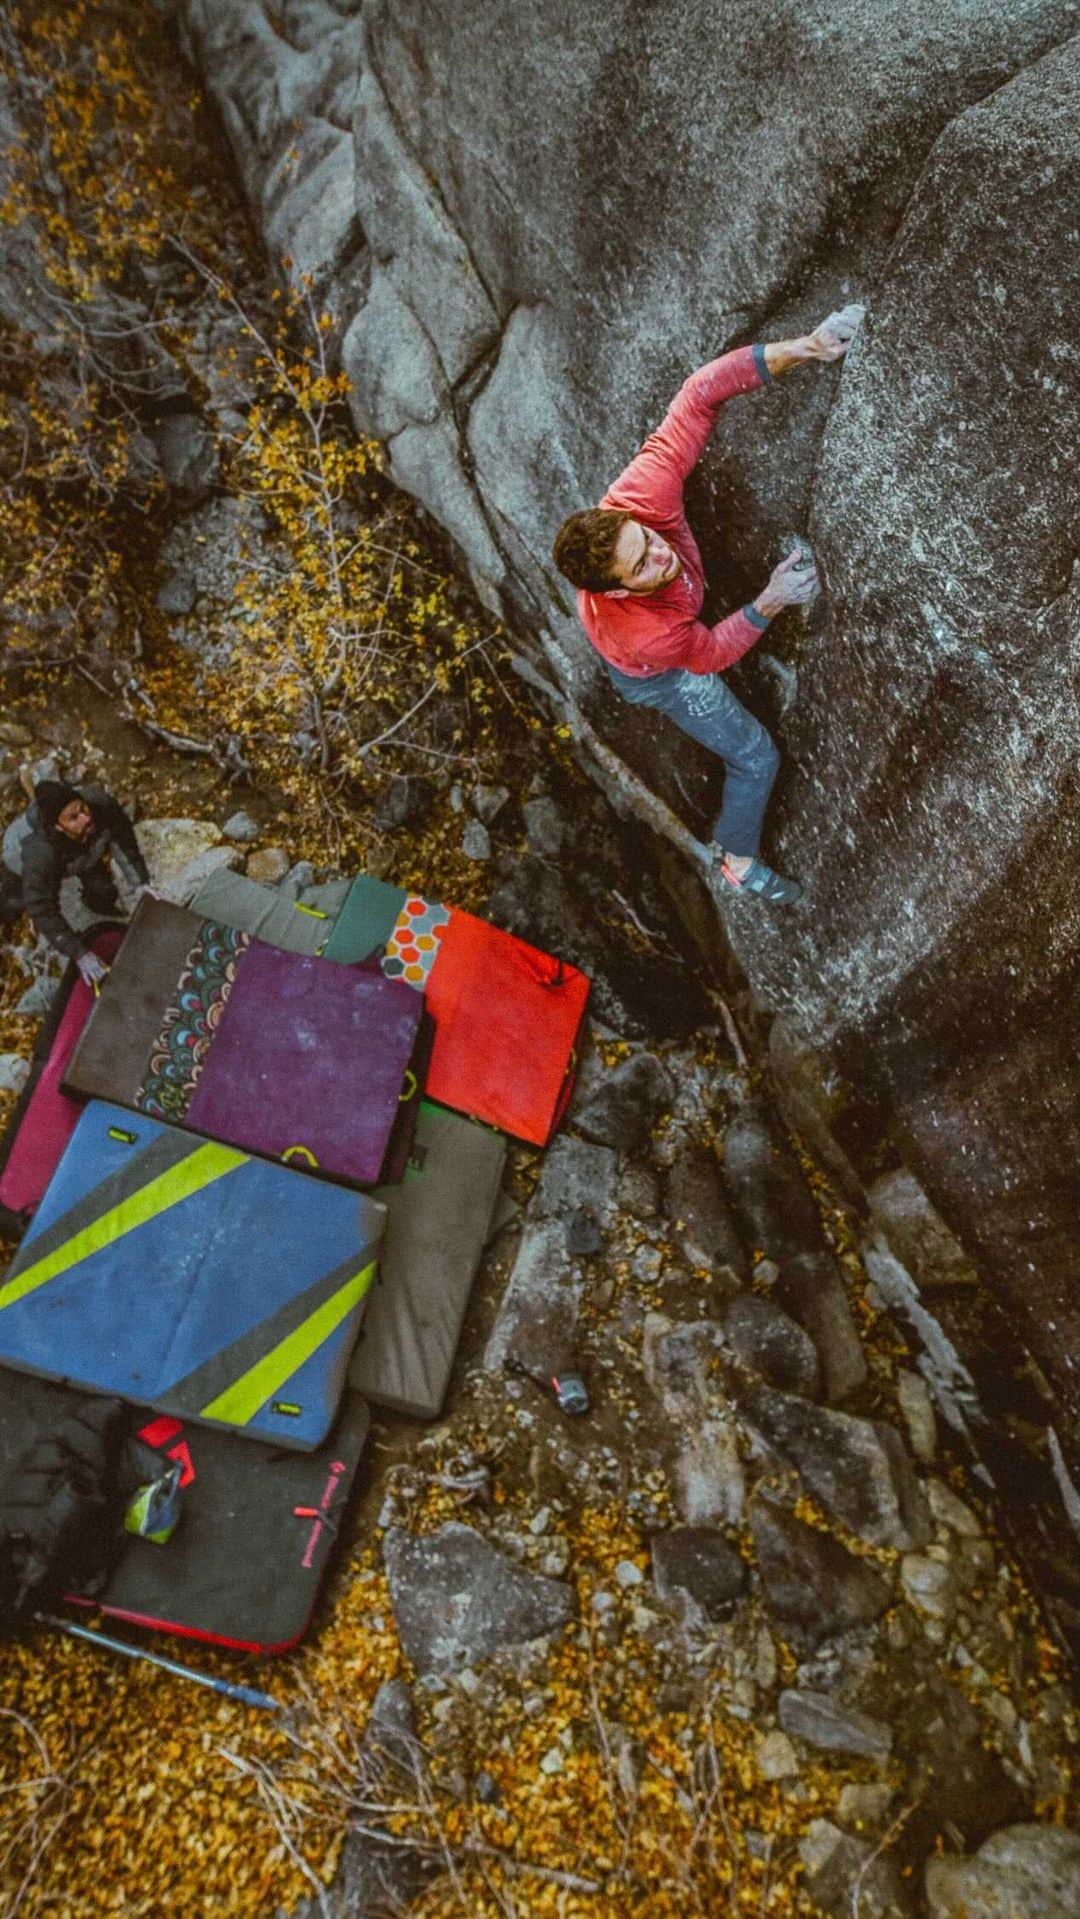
point(247, 1695)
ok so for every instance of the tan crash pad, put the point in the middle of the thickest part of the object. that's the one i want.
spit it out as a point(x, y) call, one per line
point(439, 1220)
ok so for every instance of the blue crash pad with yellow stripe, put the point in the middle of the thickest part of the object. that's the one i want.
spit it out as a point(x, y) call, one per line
point(188, 1276)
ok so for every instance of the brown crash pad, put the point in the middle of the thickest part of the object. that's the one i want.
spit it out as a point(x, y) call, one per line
point(109, 1061)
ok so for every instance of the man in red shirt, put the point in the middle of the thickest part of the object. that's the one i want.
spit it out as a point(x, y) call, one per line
point(641, 583)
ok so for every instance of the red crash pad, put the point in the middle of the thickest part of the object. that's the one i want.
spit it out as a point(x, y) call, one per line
point(507, 1019)
point(50, 1118)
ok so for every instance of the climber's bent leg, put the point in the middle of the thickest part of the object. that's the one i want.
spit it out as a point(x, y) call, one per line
point(703, 706)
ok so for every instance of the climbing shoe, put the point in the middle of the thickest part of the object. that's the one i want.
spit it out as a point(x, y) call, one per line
point(761, 882)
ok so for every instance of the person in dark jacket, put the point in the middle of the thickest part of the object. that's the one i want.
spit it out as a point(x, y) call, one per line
point(69, 832)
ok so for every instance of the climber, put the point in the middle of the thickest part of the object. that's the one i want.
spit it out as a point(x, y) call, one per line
point(641, 583)
point(68, 832)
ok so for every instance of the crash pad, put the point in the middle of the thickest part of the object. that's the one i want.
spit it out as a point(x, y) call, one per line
point(110, 1058)
point(300, 924)
point(507, 1016)
point(201, 1024)
point(438, 1220)
point(365, 920)
point(185, 1275)
point(243, 1568)
point(311, 1060)
point(45, 1118)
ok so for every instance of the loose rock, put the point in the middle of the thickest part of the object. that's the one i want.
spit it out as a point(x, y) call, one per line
point(769, 1192)
point(917, 1234)
point(170, 845)
point(188, 455)
point(835, 1863)
point(1025, 1872)
point(241, 826)
point(710, 1481)
point(950, 1511)
point(405, 800)
point(456, 1599)
point(776, 1757)
point(858, 1469)
point(695, 1203)
point(476, 841)
point(488, 802)
point(824, 1722)
point(14, 1072)
point(811, 1289)
point(810, 1578)
point(269, 865)
point(698, 1562)
point(929, 1586)
point(627, 1105)
point(544, 827)
point(919, 1417)
point(773, 1345)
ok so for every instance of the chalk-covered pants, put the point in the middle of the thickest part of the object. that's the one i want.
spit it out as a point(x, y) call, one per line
point(703, 705)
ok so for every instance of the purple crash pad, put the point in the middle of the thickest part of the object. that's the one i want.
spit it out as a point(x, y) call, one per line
point(310, 1057)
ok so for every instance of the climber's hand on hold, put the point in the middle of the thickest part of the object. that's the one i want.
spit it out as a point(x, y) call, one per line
point(793, 583)
point(832, 338)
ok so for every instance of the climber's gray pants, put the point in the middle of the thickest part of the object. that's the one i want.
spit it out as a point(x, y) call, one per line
point(703, 705)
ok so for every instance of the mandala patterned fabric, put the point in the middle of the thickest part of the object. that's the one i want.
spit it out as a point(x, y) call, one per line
point(192, 1021)
point(110, 1059)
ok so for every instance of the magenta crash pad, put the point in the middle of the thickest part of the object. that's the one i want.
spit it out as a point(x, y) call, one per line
point(310, 1061)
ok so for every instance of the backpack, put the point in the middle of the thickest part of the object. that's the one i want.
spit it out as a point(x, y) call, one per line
point(61, 1510)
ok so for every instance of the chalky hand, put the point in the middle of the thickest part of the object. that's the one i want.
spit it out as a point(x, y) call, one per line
point(831, 339)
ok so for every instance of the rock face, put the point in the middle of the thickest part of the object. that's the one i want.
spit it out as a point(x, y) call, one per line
point(510, 335)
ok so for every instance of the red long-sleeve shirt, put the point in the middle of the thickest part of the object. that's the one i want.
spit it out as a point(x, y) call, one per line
point(646, 633)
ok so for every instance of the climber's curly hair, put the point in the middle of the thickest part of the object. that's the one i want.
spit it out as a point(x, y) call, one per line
point(585, 547)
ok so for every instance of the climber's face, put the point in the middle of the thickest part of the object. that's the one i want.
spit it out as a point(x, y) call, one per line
point(76, 820)
point(642, 561)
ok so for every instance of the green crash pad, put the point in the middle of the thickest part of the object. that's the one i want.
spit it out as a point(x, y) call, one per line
point(366, 920)
point(300, 925)
point(439, 1220)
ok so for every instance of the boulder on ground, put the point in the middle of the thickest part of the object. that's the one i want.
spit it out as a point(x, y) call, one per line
point(810, 1579)
point(811, 1287)
point(698, 1562)
point(697, 1207)
point(627, 1104)
point(762, 1335)
point(170, 845)
point(769, 1192)
point(1023, 1872)
point(824, 1722)
point(857, 1468)
point(456, 1598)
point(269, 865)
